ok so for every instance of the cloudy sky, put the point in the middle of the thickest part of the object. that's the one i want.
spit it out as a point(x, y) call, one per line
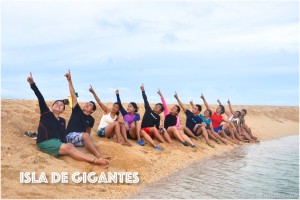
point(246, 51)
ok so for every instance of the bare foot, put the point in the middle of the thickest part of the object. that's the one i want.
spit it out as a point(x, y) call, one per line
point(210, 144)
point(104, 157)
point(101, 162)
point(127, 144)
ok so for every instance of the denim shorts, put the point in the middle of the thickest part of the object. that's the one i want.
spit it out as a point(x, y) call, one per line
point(101, 132)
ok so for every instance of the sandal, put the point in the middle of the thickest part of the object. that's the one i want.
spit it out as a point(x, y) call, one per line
point(31, 135)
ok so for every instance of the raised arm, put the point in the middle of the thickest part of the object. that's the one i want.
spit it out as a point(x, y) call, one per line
point(43, 106)
point(205, 103)
point(192, 103)
point(179, 102)
point(103, 107)
point(123, 111)
point(230, 108)
point(219, 102)
point(146, 103)
point(226, 112)
point(166, 110)
point(71, 88)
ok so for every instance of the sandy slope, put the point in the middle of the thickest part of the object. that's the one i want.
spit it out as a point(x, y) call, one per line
point(19, 153)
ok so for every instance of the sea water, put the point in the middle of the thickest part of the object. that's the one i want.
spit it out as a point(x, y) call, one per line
point(269, 169)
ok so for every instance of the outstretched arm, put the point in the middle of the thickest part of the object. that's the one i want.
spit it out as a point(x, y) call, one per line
point(226, 112)
point(230, 108)
point(166, 110)
point(192, 103)
point(219, 102)
point(205, 103)
point(146, 103)
point(179, 102)
point(123, 111)
point(72, 91)
point(43, 106)
point(103, 107)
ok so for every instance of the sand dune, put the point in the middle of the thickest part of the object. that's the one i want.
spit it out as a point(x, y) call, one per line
point(19, 153)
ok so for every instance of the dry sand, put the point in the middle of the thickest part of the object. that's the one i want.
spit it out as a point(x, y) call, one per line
point(19, 153)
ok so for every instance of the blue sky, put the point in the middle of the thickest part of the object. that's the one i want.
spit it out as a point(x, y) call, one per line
point(246, 51)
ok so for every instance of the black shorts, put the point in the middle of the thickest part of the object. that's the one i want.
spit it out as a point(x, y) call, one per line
point(129, 136)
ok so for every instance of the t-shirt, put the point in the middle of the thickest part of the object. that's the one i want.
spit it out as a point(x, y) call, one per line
point(235, 121)
point(216, 120)
point(129, 118)
point(170, 120)
point(207, 121)
point(192, 120)
point(79, 122)
point(242, 120)
point(150, 118)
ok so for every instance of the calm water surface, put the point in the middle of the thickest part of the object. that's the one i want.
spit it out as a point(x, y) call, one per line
point(266, 170)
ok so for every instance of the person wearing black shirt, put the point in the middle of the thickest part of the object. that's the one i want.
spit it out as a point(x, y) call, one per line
point(194, 124)
point(51, 137)
point(81, 123)
point(172, 123)
point(151, 121)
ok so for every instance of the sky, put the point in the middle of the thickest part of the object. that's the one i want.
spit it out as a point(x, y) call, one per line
point(247, 51)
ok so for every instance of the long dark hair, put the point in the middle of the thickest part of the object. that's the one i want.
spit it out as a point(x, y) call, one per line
point(117, 103)
point(136, 108)
point(222, 109)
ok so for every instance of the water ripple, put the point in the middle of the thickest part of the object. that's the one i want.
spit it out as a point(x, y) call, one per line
point(267, 170)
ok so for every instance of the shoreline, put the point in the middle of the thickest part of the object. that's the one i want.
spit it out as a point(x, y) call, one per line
point(267, 122)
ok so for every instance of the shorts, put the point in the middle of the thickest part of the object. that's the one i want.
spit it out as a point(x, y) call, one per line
point(129, 136)
point(147, 130)
point(195, 132)
point(227, 132)
point(218, 129)
point(101, 132)
point(75, 138)
point(50, 147)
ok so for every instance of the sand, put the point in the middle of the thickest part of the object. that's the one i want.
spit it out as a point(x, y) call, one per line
point(19, 153)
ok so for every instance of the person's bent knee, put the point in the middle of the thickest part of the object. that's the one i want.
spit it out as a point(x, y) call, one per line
point(85, 136)
point(153, 129)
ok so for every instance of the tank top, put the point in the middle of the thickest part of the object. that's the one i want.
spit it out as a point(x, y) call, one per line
point(216, 120)
point(106, 120)
point(235, 121)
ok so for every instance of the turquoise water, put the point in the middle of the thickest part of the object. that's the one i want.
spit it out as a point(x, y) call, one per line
point(266, 170)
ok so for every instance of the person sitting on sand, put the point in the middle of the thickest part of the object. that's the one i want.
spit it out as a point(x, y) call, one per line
point(209, 128)
point(194, 124)
point(81, 123)
point(109, 124)
point(51, 137)
point(217, 118)
point(234, 121)
point(172, 123)
point(151, 121)
point(245, 127)
point(131, 125)
point(245, 131)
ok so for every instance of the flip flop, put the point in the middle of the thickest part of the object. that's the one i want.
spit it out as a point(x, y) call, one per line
point(31, 135)
point(185, 143)
point(158, 148)
point(141, 142)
